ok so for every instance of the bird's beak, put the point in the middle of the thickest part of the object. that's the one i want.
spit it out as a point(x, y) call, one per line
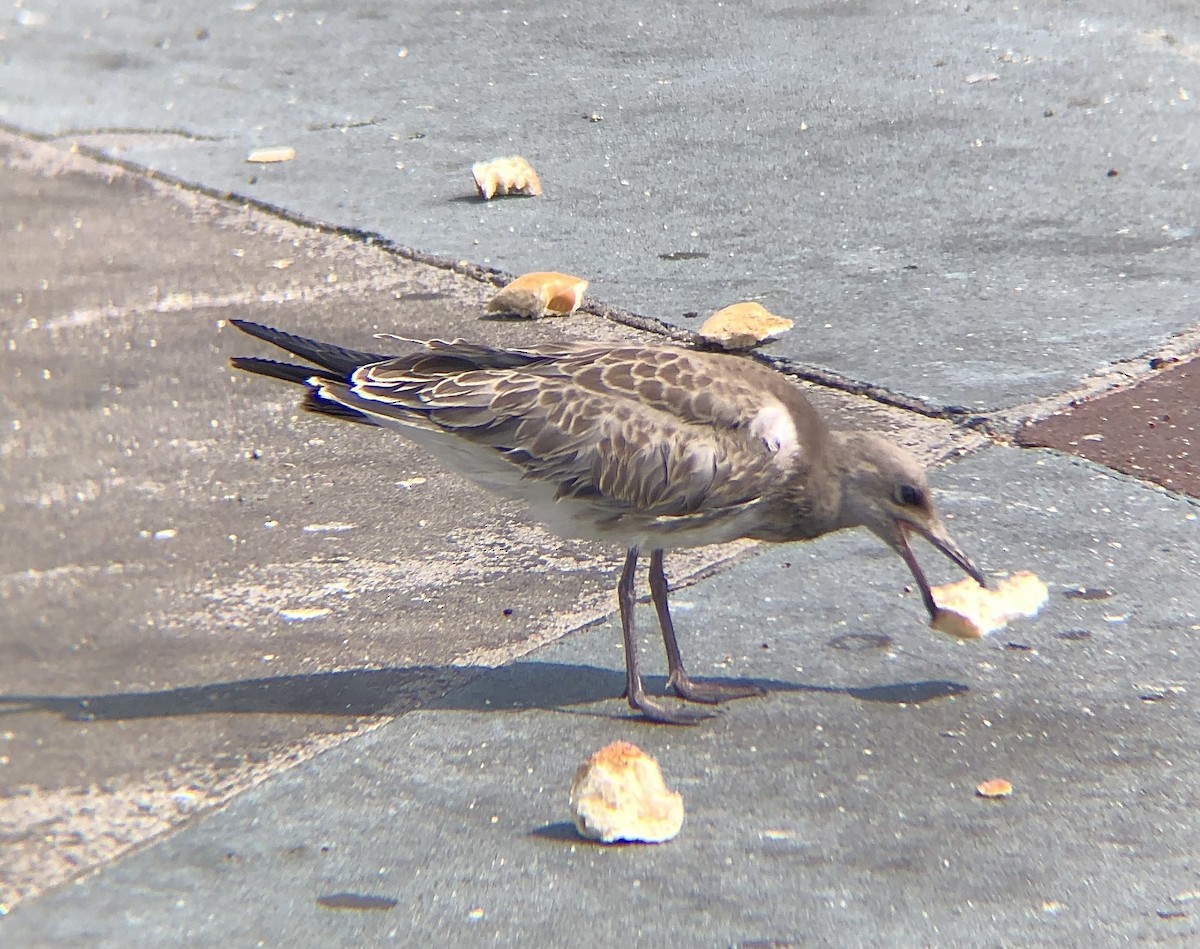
point(941, 539)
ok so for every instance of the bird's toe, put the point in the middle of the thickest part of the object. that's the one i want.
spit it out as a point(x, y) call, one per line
point(712, 693)
point(654, 711)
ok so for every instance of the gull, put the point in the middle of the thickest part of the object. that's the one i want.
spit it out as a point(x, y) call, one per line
point(654, 447)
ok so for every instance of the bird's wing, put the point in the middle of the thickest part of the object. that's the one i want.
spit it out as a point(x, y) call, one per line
point(661, 431)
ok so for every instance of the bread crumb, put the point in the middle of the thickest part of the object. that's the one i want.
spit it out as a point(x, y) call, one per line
point(742, 326)
point(619, 794)
point(996, 787)
point(968, 611)
point(541, 293)
point(265, 156)
point(501, 176)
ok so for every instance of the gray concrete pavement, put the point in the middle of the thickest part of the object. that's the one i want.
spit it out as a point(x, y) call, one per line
point(838, 810)
point(179, 761)
point(958, 241)
point(172, 514)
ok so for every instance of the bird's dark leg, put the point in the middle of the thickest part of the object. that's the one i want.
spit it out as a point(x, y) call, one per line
point(634, 692)
point(685, 687)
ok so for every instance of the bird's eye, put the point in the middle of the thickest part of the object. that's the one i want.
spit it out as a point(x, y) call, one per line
point(909, 496)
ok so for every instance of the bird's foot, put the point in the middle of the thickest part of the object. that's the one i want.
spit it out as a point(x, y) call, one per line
point(711, 693)
point(652, 711)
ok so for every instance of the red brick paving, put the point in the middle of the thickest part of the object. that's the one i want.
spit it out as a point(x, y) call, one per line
point(1147, 430)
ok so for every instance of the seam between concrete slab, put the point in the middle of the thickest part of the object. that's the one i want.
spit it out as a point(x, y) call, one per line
point(1119, 375)
point(121, 806)
point(130, 130)
point(136, 800)
point(496, 277)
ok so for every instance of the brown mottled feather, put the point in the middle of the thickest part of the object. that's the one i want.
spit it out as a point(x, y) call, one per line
point(649, 436)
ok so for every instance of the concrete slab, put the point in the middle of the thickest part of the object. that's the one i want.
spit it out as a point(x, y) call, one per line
point(839, 810)
point(967, 204)
point(169, 513)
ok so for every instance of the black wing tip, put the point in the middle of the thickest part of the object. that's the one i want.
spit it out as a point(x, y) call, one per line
point(253, 363)
point(329, 356)
point(249, 326)
point(288, 372)
point(266, 333)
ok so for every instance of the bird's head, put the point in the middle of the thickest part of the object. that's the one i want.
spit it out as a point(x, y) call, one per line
point(884, 490)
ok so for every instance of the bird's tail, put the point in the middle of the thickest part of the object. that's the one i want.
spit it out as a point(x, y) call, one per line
point(338, 361)
point(333, 364)
point(288, 372)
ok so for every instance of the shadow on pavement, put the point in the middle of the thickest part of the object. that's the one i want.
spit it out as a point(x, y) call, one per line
point(358, 692)
point(562, 831)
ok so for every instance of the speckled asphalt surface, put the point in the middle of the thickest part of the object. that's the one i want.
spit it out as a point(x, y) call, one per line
point(180, 762)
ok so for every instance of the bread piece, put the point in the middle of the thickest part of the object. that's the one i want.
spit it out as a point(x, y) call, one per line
point(266, 156)
point(541, 293)
point(742, 326)
point(619, 794)
point(968, 611)
point(501, 176)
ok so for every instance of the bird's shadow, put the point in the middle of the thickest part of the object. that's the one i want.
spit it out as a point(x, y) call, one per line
point(356, 693)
